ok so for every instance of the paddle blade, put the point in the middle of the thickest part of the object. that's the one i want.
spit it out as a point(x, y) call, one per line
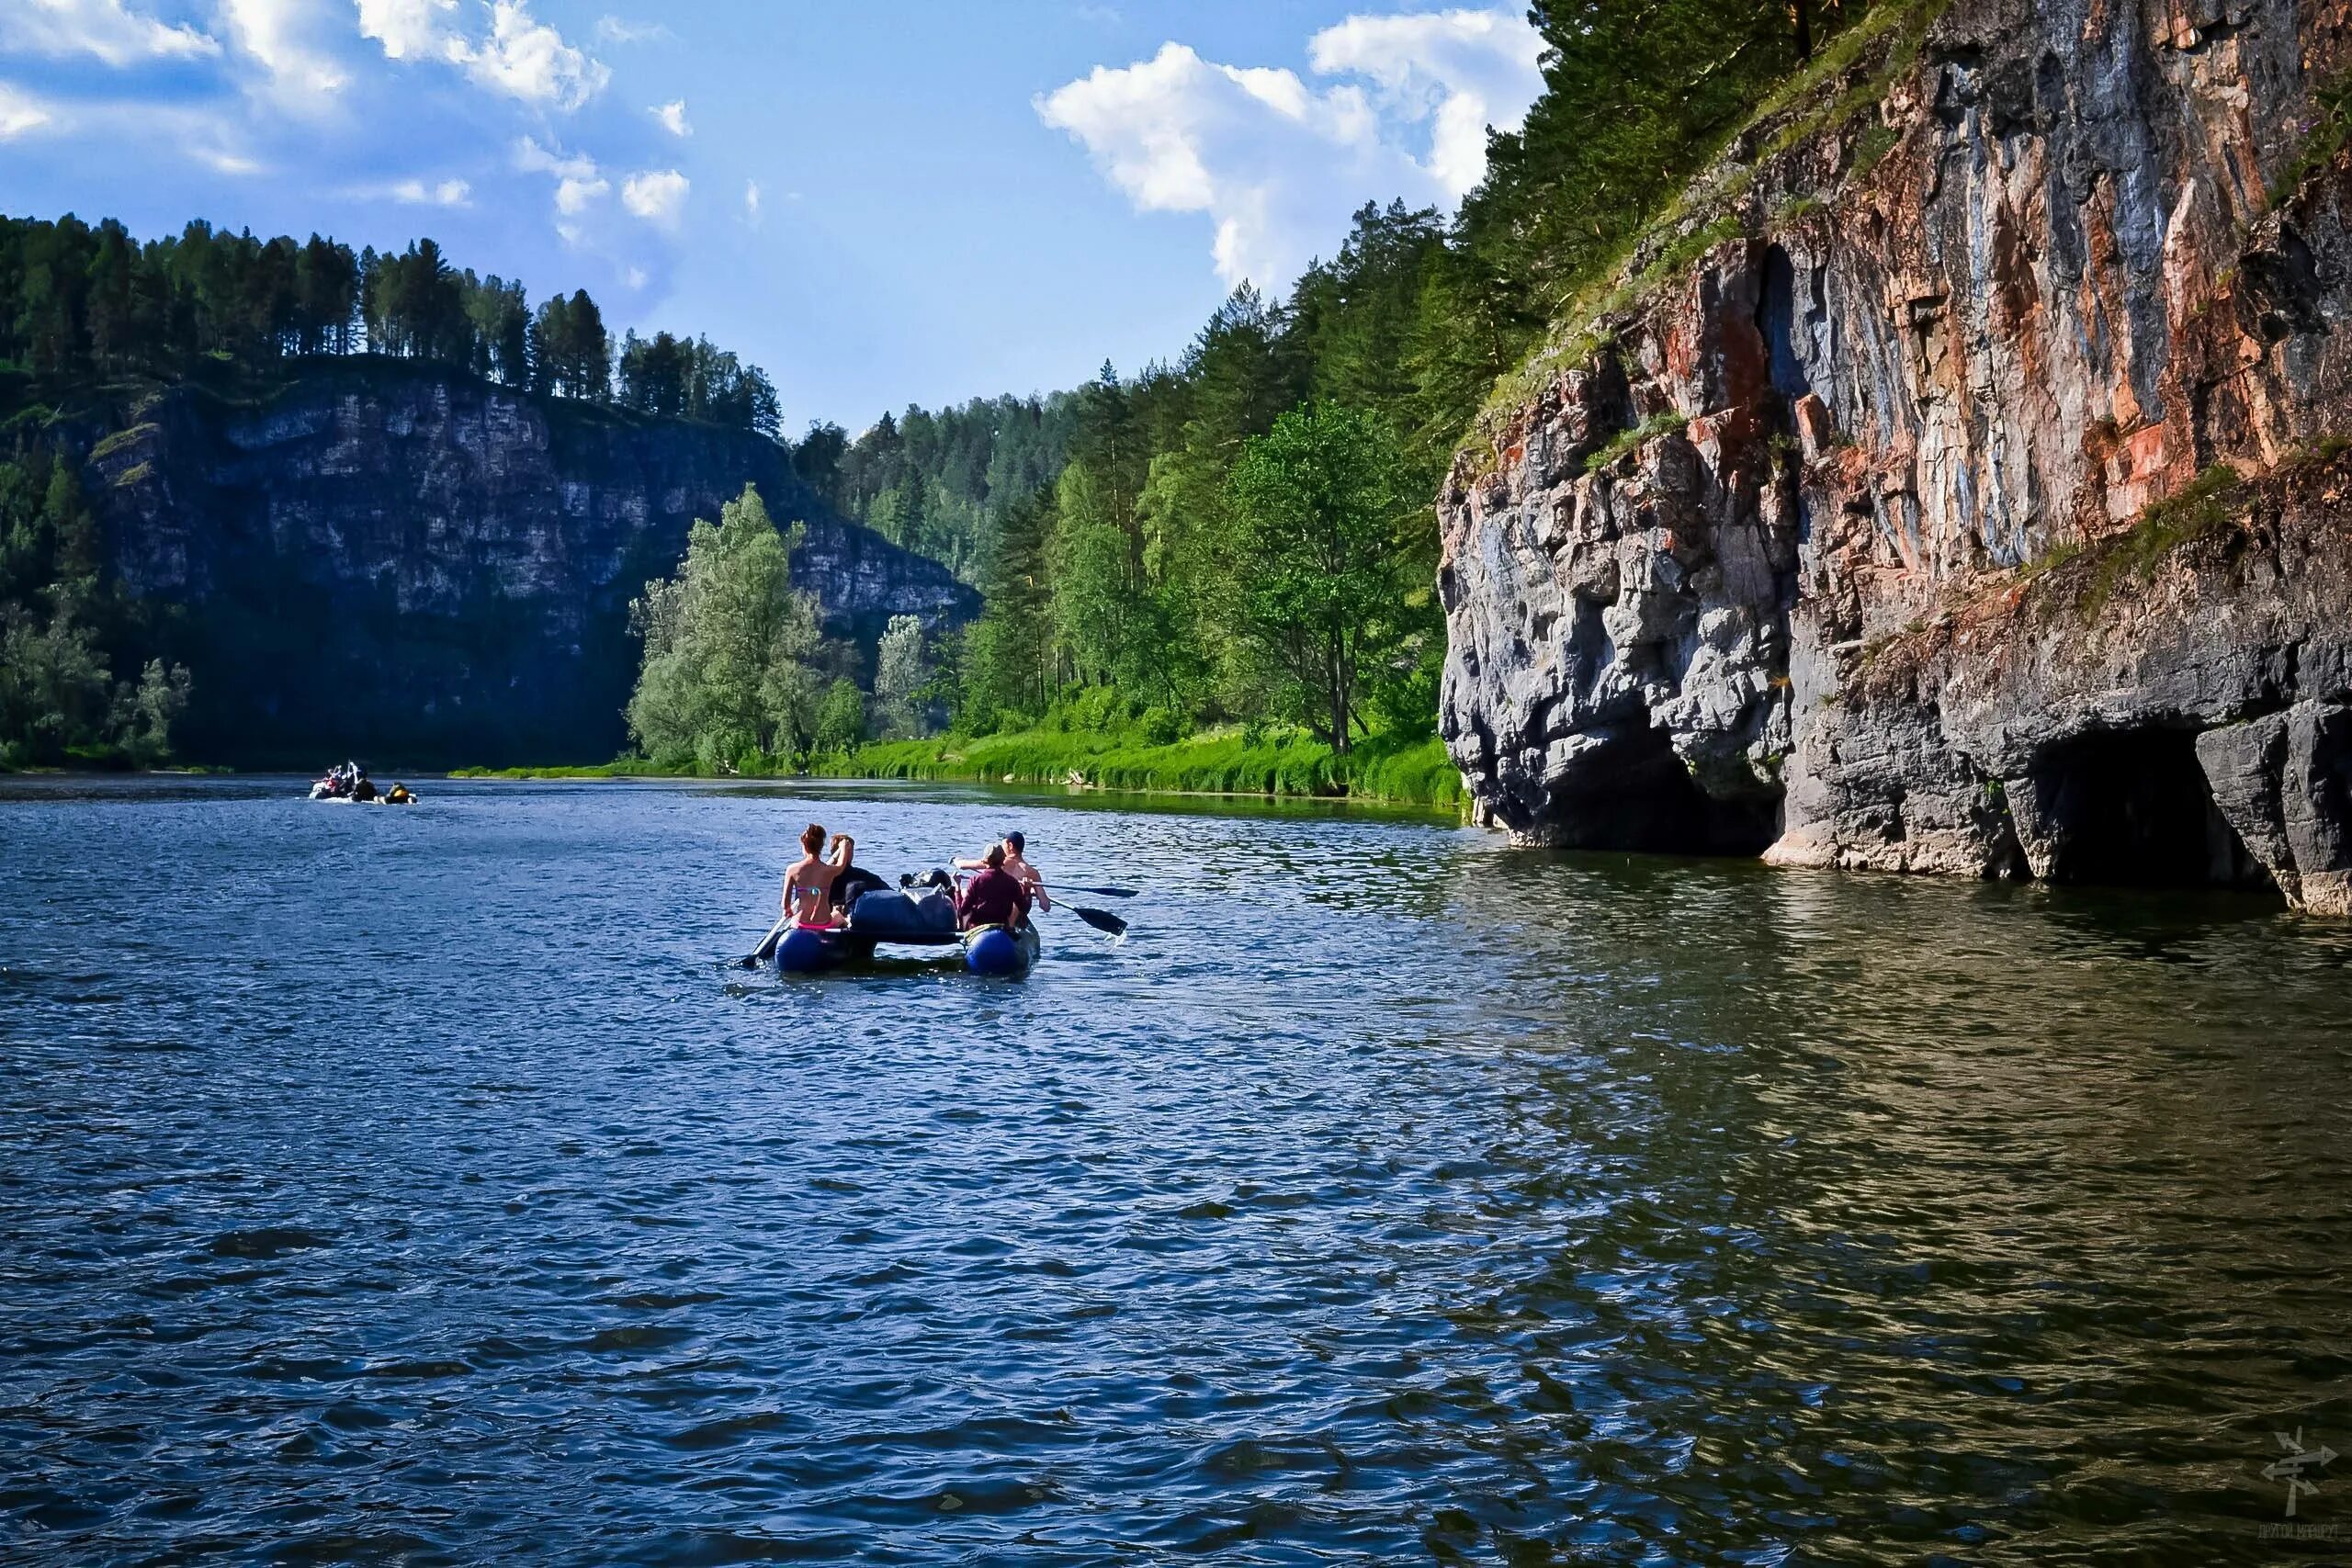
point(1101, 919)
point(1098, 892)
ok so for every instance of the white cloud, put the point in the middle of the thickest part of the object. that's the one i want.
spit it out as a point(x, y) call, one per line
point(672, 117)
point(444, 193)
point(522, 57)
point(533, 159)
point(1276, 165)
point(279, 34)
point(615, 29)
point(407, 28)
point(752, 203)
point(529, 60)
point(636, 277)
point(574, 197)
point(107, 28)
point(1463, 70)
point(21, 113)
point(228, 163)
point(578, 184)
point(658, 195)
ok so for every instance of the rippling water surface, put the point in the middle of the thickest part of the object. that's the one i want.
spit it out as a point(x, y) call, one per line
point(417, 1186)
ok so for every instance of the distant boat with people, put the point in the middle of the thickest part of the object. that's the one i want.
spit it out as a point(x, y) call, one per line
point(348, 783)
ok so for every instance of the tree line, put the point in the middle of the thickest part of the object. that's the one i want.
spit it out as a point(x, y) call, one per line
point(80, 303)
point(1245, 536)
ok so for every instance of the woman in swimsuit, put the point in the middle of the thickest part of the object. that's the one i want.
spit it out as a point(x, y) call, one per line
point(809, 885)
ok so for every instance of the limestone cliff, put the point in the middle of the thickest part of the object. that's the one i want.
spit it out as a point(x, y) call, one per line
point(396, 560)
point(1957, 490)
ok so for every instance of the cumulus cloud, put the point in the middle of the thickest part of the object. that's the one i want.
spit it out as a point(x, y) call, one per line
point(1276, 164)
point(672, 117)
point(752, 203)
point(1461, 71)
point(21, 113)
point(281, 35)
point(106, 29)
point(529, 60)
point(658, 195)
point(578, 184)
point(442, 192)
point(522, 57)
point(409, 30)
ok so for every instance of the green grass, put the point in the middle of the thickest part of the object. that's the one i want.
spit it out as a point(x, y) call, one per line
point(1228, 761)
point(1624, 441)
point(130, 436)
point(2331, 128)
point(2201, 507)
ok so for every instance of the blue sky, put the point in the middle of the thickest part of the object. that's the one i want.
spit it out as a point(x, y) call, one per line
point(898, 201)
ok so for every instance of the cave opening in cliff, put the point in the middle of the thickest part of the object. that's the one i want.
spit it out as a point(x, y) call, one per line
point(2131, 809)
point(1646, 801)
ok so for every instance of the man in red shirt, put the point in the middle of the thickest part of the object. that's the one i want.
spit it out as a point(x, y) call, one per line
point(993, 898)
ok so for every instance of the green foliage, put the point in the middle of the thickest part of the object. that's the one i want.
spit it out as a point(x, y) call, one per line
point(733, 673)
point(2324, 136)
point(1320, 509)
point(1229, 761)
point(1624, 441)
point(59, 702)
point(2203, 506)
point(841, 720)
point(901, 676)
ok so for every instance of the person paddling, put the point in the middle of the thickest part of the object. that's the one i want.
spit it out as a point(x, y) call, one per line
point(994, 897)
point(1019, 869)
point(809, 885)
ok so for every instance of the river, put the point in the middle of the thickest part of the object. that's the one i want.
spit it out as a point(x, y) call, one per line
point(419, 1186)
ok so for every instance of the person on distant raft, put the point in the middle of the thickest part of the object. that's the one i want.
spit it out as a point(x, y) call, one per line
point(809, 885)
point(994, 897)
point(1019, 869)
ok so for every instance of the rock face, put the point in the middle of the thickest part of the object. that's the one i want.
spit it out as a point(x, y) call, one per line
point(395, 561)
point(1977, 509)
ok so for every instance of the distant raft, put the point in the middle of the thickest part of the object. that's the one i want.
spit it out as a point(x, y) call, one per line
point(910, 919)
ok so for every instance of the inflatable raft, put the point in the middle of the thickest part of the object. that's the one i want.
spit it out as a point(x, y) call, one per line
point(909, 919)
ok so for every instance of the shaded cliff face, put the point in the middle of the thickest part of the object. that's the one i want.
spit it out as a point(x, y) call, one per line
point(1880, 579)
point(400, 563)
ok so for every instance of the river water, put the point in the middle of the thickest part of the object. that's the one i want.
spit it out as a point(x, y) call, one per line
point(419, 1186)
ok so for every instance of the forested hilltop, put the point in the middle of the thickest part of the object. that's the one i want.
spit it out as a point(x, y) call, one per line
point(96, 324)
point(1244, 537)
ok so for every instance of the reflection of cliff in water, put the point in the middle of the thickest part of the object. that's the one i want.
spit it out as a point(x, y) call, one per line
point(1907, 1194)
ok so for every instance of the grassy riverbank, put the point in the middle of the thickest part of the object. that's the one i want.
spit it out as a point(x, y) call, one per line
point(1219, 763)
point(1227, 762)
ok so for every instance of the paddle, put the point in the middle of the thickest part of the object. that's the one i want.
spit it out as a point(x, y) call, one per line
point(1100, 892)
point(1101, 919)
point(766, 949)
